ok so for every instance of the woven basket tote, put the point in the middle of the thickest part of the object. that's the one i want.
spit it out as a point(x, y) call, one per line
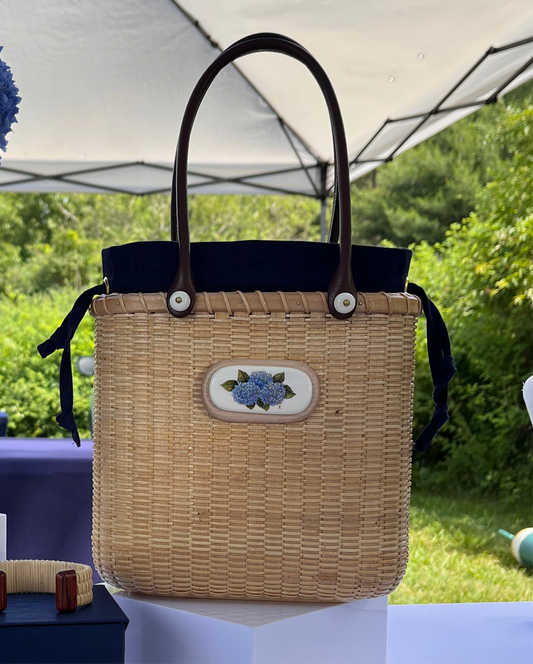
point(254, 445)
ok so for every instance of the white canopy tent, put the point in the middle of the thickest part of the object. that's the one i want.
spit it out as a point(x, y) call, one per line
point(104, 84)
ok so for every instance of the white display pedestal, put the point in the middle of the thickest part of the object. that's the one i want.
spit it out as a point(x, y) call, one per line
point(194, 631)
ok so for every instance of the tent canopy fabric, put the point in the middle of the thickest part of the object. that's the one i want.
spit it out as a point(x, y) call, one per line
point(104, 84)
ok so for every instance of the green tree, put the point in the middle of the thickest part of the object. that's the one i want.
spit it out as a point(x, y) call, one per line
point(482, 277)
point(51, 251)
point(55, 240)
point(420, 194)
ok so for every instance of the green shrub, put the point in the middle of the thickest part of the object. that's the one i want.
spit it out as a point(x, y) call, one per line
point(51, 251)
point(482, 278)
point(29, 385)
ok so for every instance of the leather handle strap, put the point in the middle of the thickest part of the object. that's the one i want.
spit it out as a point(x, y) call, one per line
point(342, 295)
point(334, 225)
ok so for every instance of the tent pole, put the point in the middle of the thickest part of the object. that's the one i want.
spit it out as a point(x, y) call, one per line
point(323, 201)
point(323, 208)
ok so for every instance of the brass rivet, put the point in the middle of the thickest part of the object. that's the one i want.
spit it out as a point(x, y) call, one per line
point(298, 303)
point(346, 303)
point(179, 300)
point(117, 304)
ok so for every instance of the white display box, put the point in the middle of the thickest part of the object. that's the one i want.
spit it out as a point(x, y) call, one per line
point(3, 537)
point(194, 631)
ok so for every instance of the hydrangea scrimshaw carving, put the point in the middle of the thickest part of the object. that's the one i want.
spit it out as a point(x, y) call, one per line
point(260, 388)
point(260, 391)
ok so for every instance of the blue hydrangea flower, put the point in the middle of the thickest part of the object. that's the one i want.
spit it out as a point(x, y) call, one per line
point(260, 378)
point(272, 394)
point(246, 393)
point(9, 101)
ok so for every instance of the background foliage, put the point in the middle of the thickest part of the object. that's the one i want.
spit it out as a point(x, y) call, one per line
point(456, 554)
point(482, 277)
point(29, 385)
point(463, 199)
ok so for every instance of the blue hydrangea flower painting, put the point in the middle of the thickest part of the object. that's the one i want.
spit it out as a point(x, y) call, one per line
point(273, 394)
point(259, 389)
point(9, 101)
point(246, 394)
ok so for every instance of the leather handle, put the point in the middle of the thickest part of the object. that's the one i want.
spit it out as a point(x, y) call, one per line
point(342, 295)
point(334, 225)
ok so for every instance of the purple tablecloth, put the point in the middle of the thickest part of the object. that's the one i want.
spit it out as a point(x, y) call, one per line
point(45, 490)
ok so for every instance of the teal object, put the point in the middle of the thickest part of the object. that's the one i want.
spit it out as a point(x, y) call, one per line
point(521, 545)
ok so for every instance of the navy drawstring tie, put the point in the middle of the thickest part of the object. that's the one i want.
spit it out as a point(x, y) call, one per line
point(439, 354)
point(441, 366)
point(61, 338)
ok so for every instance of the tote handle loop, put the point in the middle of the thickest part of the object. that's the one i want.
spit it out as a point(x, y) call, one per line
point(342, 295)
point(334, 225)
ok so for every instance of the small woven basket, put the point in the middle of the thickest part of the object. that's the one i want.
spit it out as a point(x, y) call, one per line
point(39, 576)
point(186, 504)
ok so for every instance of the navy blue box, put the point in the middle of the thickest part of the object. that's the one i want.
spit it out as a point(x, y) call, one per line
point(32, 631)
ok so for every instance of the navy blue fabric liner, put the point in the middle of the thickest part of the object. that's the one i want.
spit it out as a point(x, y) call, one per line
point(249, 266)
point(150, 267)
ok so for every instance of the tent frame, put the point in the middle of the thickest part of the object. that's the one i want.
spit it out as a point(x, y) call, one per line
point(317, 171)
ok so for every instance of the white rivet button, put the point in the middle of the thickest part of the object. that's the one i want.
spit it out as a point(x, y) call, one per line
point(179, 301)
point(344, 303)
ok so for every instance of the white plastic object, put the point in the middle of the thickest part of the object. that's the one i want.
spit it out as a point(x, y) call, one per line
point(527, 391)
point(179, 301)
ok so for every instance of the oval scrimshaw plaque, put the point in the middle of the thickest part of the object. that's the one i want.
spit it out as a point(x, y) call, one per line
point(272, 391)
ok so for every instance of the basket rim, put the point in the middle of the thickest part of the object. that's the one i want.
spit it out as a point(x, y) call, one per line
point(257, 303)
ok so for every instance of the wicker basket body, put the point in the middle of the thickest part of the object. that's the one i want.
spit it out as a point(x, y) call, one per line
point(189, 505)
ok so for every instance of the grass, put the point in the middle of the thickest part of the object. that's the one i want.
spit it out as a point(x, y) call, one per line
point(456, 554)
